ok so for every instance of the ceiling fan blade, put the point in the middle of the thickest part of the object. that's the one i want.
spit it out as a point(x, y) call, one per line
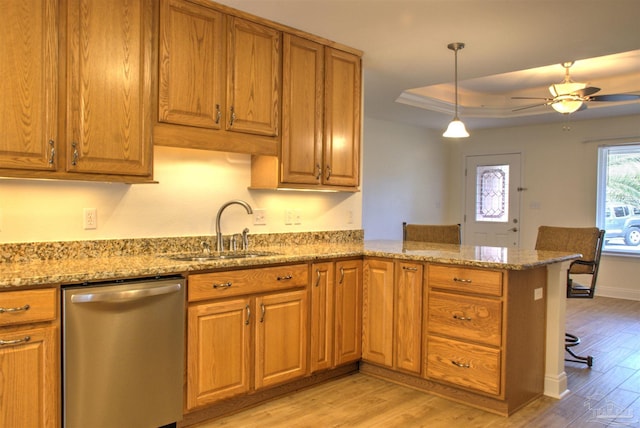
point(586, 91)
point(527, 107)
point(531, 98)
point(615, 97)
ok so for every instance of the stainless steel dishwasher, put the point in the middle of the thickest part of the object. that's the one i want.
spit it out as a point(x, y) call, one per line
point(123, 353)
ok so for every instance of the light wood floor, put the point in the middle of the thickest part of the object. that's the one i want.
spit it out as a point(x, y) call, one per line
point(610, 331)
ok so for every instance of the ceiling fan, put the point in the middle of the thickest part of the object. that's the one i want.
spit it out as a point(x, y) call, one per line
point(569, 96)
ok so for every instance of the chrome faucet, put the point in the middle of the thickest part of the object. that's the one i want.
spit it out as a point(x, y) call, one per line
point(219, 242)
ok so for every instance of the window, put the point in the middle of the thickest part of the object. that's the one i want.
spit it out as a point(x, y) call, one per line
point(619, 198)
point(492, 193)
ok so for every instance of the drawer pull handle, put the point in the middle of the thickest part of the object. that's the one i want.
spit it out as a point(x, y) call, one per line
point(20, 309)
point(413, 269)
point(319, 277)
point(15, 342)
point(263, 310)
point(462, 318)
point(225, 285)
point(466, 281)
point(461, 365)
point(248, 309)
point(341, 276)
point(284, 278)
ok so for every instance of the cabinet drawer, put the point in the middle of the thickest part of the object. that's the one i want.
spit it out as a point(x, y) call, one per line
point(479, 281)
point(246, 281)
point(463, 364)
point(28, 306)
point(469, 318)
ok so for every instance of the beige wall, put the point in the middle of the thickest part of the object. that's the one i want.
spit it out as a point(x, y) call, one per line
point(404, 178)
point(192, 186)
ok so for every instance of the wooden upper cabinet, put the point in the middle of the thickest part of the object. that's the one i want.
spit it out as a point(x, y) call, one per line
point(342, 118)
point(29, 67)
point(253, 77)
point(109, 59)
point(302, 110)
point(219, 80)
point(191, 59)
point(321, 120)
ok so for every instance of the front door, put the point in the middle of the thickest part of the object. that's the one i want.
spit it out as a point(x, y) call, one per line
point(492, 200)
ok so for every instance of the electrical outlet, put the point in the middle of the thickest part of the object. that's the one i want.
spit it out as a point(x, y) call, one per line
point(259, 217)
point(90, 218)
point(350, 217)
point(297, 217)
point(1, 225)
point(537, 294)
point(288, 216)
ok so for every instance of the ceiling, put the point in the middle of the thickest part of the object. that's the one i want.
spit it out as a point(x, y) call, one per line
point(513, 48)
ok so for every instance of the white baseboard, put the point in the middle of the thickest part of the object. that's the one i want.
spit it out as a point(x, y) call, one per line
point(618, 293)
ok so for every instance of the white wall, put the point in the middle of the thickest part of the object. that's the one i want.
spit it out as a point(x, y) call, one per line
point(193, 184)
point(404, 178)
point(560, 174)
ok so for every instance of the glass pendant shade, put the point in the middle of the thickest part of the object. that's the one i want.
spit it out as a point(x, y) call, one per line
point(456, 129)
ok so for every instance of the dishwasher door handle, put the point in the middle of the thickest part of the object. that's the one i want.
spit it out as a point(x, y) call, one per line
point(124, 295)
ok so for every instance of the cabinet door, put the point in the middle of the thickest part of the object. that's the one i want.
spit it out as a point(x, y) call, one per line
point(408, 310)
point(342, 119)
point(302, 110)
point(253, 77)
point(377, 312)
point(29, 67)
point(29, 377)
point(281, 337)
point(108, 88)
point(190, 79)
point(348, 318)
point(218, 352)
point(322, 287)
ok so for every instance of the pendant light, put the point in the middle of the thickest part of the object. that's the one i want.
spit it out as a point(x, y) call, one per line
point(456, 128)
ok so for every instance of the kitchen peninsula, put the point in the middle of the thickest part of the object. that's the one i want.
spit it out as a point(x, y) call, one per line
point(498, 289)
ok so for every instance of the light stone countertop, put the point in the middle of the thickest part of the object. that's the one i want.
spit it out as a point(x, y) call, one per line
point(79, 270)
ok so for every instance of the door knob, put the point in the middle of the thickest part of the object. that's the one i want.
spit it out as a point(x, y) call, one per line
point(513, 229)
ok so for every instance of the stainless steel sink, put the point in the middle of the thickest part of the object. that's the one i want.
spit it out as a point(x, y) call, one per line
point(219, 256)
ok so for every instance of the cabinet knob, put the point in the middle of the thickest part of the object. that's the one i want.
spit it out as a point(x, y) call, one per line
point(20, 309)
point(461, 365)
point(224, 285)
point(52, 152)
point(15, 342)
point(233, 117)
point(76, 155)
point(218, 114)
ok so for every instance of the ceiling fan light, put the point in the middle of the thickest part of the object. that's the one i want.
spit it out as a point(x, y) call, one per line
point(566, 88)
point(567, 105)
point(456, 129)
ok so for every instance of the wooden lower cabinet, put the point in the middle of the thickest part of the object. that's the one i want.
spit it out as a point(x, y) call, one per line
point(238, 344)
point(219, 351)
point(475, 335)
point(336, 313)
point(392, 314)
point(29, 359)
point(281, 337)
point(486, 333)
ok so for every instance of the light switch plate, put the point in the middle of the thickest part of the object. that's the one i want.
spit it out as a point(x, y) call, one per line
point(259, 217)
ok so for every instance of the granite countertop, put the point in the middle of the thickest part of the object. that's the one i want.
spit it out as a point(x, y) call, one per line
point(107, 267)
